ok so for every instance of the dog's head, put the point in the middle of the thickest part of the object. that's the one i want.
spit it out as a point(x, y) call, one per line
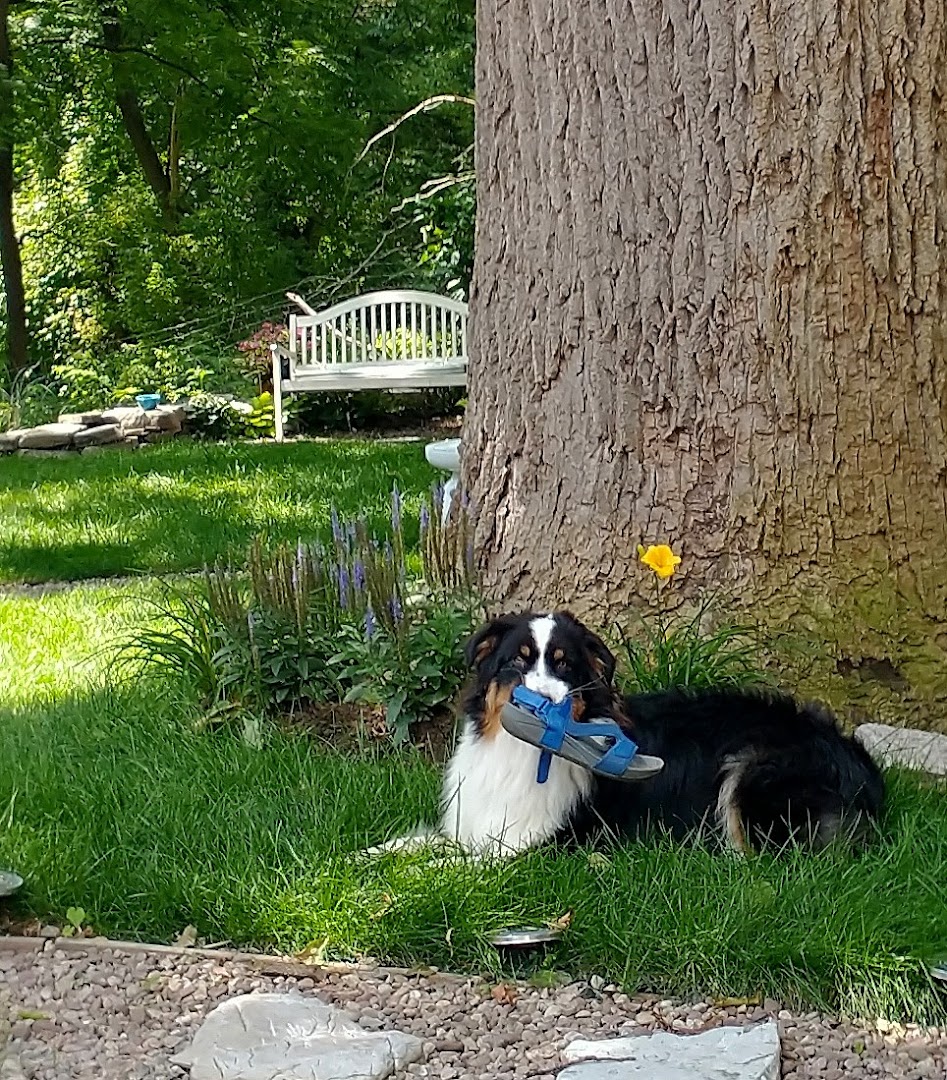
point(553, 655)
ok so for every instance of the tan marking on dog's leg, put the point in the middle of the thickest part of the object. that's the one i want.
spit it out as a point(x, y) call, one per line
point(729, 818)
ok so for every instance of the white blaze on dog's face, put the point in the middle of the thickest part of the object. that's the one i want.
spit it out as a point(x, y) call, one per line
point(539, 672)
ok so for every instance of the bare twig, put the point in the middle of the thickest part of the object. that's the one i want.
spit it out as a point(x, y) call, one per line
point(424, 106)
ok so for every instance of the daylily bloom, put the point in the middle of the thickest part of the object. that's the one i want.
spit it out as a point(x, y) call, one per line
point(660, 559)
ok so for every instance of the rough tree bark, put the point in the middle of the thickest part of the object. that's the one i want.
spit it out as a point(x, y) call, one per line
point(10, 261)
point(710, 309)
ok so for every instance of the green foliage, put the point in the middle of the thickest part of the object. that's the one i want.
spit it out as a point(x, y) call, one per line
point(688, 650)
point(255, 116)
point(343, 622)
point(261, 421)
point(116, 378)
point(27, 400)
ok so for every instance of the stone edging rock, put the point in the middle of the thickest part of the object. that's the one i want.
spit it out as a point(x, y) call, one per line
point(124, 427)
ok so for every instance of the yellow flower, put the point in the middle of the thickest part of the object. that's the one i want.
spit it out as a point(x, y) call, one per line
point(660, 559)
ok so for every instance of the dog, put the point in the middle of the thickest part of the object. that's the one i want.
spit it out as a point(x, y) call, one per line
point(751, 769)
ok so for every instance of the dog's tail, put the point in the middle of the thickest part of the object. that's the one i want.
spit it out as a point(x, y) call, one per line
point(814, 794)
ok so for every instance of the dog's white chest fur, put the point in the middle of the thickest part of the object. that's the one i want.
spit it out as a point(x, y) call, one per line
point(491, 801)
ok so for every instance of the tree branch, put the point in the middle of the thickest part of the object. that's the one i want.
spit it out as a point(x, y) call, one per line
point(140, 50)
point(424, 106)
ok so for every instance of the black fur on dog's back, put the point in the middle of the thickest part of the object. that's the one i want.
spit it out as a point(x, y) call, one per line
point(756, 766)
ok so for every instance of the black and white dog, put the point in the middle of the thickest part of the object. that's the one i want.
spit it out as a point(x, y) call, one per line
point(755, 768)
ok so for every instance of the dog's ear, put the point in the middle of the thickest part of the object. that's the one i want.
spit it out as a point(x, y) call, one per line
point(485, 640)
point(600, 657)
point(599, 654)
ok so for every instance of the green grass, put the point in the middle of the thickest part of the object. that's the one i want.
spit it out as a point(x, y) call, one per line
point(110, 803)
point(179, 505)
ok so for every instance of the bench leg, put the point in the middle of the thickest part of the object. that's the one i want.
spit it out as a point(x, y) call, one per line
point(278, 395)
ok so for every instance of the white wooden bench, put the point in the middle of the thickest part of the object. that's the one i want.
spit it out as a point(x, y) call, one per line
point(391, 340)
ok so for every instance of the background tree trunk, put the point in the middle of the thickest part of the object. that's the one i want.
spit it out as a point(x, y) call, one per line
point(710, 309)
point(133, 120)
point(17, 336)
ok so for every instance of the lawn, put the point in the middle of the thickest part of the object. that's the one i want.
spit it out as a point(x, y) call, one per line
point(179, 505)
point(110, 802)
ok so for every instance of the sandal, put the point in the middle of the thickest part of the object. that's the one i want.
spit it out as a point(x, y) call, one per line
point(542, 723)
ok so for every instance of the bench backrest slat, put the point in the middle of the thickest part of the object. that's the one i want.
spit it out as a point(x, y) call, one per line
point(381, 327)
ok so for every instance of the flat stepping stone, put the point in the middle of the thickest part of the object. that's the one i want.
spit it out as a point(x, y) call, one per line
point(292, 1037)
point(907, 747)
point(724, 1053)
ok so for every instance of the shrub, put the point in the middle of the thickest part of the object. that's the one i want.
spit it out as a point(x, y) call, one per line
point(256, 357)
point(338, 622)
point(175, 373)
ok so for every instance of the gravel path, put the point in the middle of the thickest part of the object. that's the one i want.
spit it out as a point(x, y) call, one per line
point(76, 1011)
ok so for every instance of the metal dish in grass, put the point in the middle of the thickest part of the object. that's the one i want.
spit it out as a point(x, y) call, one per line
point(525, 937)
point(9, 882)
point(939, 970)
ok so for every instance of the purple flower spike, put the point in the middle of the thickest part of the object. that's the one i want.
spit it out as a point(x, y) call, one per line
point(343, 586)
point(359, 576)
point(395, 508)
point(438, 496)
point(389, 553)
point(397, 611)
point(425, 519)
point(336, 527)
point(370, 625)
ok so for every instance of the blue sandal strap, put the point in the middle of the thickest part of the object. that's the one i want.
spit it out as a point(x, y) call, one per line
point(545, 760)
point(615, 760)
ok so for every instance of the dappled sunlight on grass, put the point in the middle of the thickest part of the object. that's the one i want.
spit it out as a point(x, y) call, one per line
point(178, 505)
point(59, 643)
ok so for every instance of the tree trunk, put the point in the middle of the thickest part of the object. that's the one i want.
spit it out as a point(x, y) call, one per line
point(126, 98)
point(17, 339)
point(710, 309)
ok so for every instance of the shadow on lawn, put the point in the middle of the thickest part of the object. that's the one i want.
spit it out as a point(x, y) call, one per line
point(178, 506)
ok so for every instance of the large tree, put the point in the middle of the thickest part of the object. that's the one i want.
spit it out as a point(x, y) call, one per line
point(710, 308)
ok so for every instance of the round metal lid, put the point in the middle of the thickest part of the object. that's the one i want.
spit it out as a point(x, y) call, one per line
point(9, 882)
point(524, 937)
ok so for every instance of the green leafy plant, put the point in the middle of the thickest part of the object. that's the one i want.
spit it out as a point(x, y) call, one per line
point(75, 919)
point(210, 416)
point(340, 622)
point(689, 649)
point(26, 400)
point(261, 422)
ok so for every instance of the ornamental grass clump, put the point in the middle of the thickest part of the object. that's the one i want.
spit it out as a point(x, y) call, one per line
point(688, 649)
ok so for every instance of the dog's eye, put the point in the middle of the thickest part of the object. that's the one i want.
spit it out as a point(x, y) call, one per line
point(519, 662)
point(562, 666)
